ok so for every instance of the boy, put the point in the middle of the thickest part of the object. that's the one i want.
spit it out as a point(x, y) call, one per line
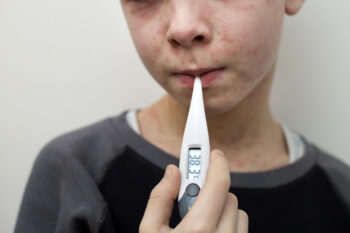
point(108, 177)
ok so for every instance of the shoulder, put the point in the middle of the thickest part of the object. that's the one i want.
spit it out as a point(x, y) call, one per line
point(332, 165)
point(88, 148)
point(62, 189)
point(337, 172)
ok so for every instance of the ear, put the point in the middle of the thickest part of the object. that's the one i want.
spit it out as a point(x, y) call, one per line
point(293, 6)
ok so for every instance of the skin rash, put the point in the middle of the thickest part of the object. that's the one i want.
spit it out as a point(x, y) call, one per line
point(240, 36)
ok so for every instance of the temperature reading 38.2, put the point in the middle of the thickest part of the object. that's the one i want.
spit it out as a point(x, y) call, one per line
point(194, 163)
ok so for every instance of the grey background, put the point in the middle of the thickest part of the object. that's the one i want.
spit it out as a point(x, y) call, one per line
point(65, 64)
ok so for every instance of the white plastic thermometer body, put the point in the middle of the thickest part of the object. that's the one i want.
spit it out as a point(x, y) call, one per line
point(195, 151)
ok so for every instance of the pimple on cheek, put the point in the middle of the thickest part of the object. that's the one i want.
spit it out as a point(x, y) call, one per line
point(233, 53)
point(224, 1)
point(226, 39)
point(151, 43)
point(157, 49)
point(247, 6)
point(250, 50)
point(253, 51)
point(215, 53)
point(148, 47)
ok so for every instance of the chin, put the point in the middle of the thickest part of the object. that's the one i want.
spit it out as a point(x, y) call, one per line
point(216, 110)
point(219, 106)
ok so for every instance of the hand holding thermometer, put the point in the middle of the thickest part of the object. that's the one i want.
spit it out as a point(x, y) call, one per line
point(195, 151)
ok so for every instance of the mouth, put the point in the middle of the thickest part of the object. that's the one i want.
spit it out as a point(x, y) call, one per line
point(198, 72)
point(207, 76)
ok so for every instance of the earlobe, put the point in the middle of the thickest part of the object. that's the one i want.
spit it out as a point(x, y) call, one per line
point(293, 6)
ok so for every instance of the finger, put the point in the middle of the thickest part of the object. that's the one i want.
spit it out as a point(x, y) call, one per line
point(228, 219)
point(243, 222)
point(211, 199)
point(160, 204)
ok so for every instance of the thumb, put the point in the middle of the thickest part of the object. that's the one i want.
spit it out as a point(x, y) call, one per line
point(160, 204)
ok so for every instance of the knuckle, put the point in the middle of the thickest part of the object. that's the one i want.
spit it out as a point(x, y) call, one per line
point(200, 227)
point(233, 200)
point(156, 193)
point(223, 183)
point(142, 227)
point(243, 215)
point(147, 228)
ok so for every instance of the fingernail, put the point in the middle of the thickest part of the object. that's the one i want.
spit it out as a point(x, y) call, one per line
point(219, 152)
point(167, 172)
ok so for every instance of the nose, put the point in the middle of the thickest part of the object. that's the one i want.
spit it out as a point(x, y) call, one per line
point(188, 26)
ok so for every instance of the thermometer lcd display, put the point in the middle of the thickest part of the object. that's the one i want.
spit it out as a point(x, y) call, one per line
point(194, 163)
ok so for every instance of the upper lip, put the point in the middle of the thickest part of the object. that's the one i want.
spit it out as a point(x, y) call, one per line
point(198, 72)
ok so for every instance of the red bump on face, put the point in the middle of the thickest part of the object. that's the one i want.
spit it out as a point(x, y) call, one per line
point(253, 51)
point(244, 36)
point(133, 11)
point(226, 39)
point(233, 53)
point(247, 7)
point(157, 49)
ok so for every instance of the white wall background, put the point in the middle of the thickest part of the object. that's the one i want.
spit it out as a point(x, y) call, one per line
point(68, 63)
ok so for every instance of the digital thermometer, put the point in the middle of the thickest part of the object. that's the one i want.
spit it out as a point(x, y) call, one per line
point(195, 151)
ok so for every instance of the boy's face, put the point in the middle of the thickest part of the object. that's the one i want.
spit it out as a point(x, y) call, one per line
point(240, 36)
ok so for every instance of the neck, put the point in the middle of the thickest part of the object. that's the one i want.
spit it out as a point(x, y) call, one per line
point(248, 135)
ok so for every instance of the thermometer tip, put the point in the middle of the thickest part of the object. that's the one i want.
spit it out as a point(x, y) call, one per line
point(197, 82)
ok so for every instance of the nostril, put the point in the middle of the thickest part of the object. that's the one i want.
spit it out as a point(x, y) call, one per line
point(174, 42)
point(199, 38)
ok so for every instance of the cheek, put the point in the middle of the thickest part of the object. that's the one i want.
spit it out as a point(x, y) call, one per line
point(143, 23)
point(250, 38)
point(146, 40)
point(147, 44)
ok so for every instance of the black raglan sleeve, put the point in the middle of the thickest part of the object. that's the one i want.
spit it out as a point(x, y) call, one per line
point(338, 173)
point(60, 195)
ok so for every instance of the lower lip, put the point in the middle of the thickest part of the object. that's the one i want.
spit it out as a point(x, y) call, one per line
point(207, 79)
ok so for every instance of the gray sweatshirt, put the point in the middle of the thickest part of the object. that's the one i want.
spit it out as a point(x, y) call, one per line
point(99, 178)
